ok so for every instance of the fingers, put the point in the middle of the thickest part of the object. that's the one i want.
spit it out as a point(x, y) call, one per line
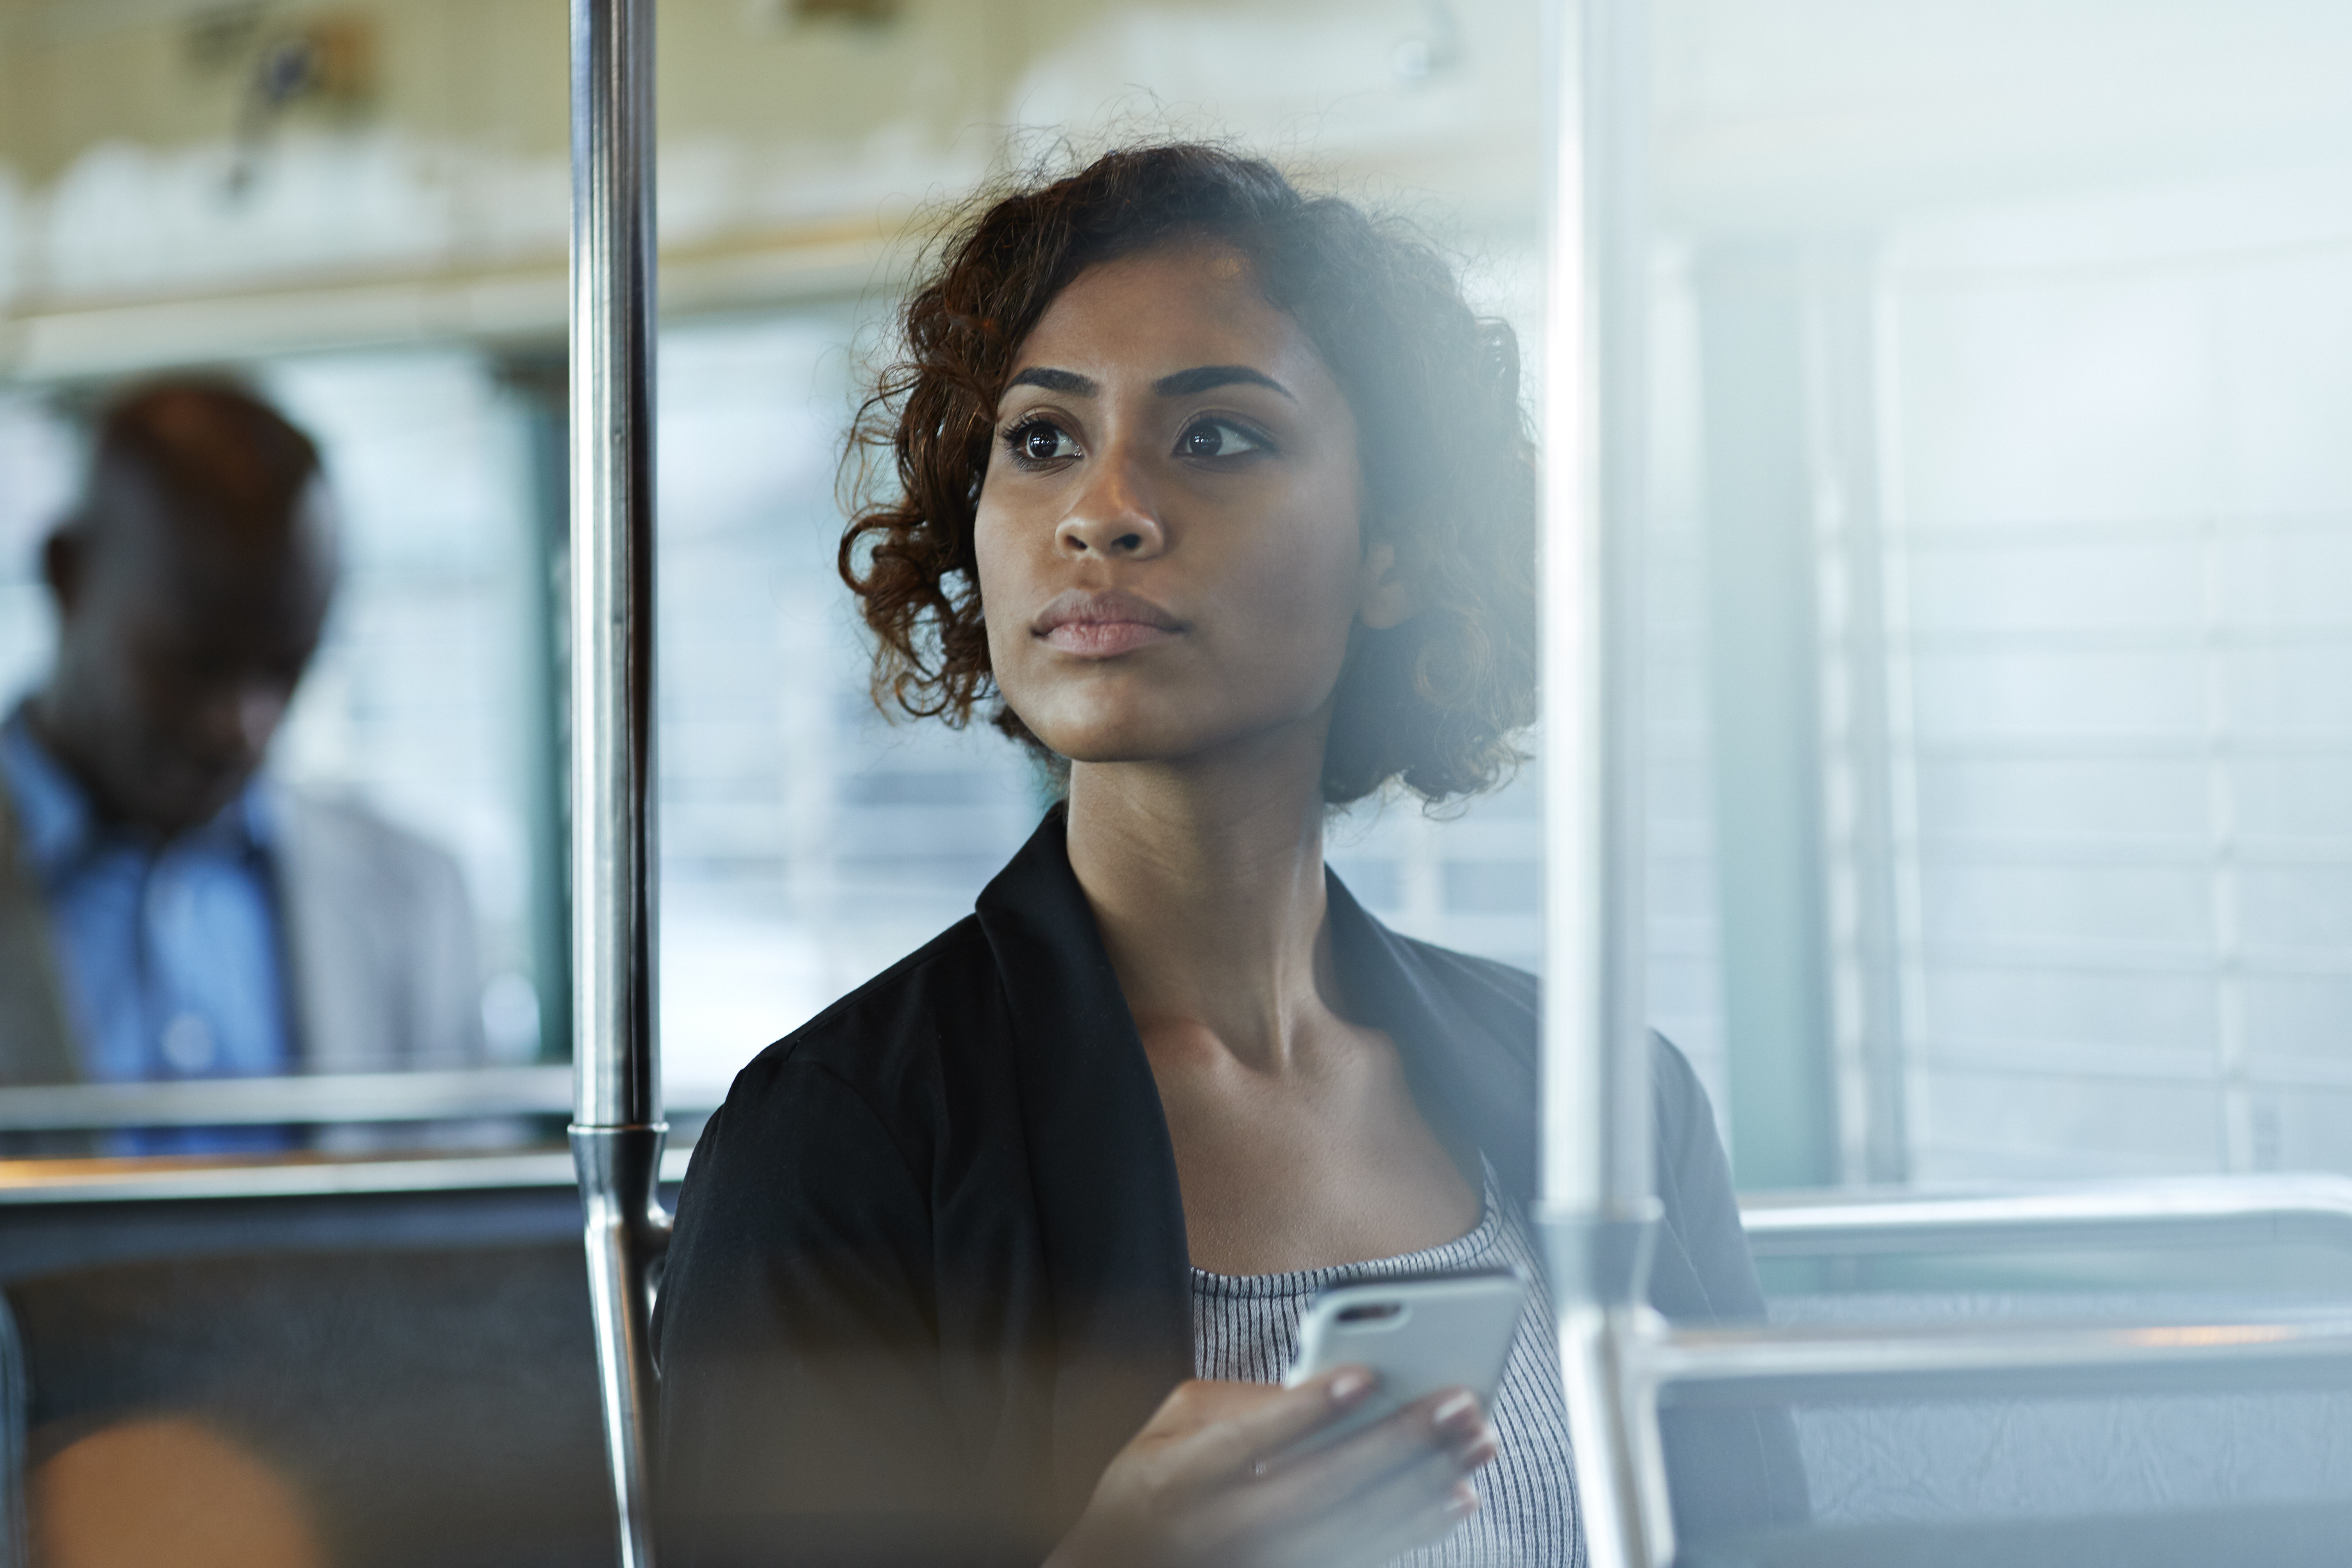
point(1194, 1485)
point(1273, 1424)
point(1394, 1482)
point(1364, 1540)
point(1394, 1511)
point(1449, 1423)
point(1416, 1506)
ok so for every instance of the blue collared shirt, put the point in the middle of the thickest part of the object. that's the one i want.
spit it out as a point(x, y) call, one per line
point(169, 950)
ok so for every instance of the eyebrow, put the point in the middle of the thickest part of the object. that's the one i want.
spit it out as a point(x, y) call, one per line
point(1183, 383)
point(1068, 381)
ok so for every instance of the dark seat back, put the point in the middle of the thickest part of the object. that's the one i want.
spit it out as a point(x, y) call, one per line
point(432, 1406)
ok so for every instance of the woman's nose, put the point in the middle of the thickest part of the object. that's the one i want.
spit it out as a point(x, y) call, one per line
point(1114, 517)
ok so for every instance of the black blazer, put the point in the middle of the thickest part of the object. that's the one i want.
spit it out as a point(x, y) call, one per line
point(930, 1273)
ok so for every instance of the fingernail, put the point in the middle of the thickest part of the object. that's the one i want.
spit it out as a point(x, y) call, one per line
point(1479, 1454)
point(1464, 1500)
point(1350, 1386)
point(1458, 1411)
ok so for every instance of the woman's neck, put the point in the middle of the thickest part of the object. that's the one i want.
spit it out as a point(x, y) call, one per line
point(1206, 881)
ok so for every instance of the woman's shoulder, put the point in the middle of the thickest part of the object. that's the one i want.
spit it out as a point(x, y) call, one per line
point(1506, 994)
point(892, 1037)
point(1471, 977)
point(1412, 983)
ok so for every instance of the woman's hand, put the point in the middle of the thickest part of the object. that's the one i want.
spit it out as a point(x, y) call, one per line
point(1205, 1484)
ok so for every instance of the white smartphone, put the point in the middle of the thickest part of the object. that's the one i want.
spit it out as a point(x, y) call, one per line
point(1418, 1334)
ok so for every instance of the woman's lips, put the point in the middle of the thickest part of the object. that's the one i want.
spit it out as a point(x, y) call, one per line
point(1102, 639)
point(1103, 626)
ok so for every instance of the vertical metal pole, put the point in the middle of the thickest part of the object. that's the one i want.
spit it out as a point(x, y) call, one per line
point(617, 1130)
point(1599, 1212)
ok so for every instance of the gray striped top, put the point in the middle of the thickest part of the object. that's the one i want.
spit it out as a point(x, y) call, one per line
point(1245, 1329)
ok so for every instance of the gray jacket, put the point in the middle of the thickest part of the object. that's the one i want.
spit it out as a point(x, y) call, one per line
point(382, 967)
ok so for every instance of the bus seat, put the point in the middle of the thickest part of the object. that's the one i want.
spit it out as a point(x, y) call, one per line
point(1887, 1461)
point(2131, 1479)
point(426, 1405)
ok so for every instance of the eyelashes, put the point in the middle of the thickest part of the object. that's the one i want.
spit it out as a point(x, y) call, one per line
point(1213, 439)
point(1039, 442)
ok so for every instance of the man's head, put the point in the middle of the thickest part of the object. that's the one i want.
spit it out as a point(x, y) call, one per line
point(191, 582)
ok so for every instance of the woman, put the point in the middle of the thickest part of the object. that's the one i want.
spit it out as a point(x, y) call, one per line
point(1222, 496)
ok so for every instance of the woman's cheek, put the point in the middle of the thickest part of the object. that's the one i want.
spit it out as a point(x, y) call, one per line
point(1306, 597)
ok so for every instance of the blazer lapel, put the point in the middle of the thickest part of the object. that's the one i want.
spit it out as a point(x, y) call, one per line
point(1112, 1218)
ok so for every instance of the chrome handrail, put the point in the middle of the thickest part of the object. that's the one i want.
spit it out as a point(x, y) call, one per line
point(33, 1183)
point(1598, 1213)
point(617, 1128)
point(2275, 1209)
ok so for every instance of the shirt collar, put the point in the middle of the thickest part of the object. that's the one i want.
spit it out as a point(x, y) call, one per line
point(58, 826)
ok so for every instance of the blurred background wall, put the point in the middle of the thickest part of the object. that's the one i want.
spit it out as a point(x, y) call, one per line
point(2002, 675)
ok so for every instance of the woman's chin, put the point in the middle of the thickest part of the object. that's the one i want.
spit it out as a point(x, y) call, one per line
point(1099, 749)
point(1121, 736)
point(1133, 742)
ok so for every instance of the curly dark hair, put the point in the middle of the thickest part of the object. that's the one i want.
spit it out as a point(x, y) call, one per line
point(1448, 463)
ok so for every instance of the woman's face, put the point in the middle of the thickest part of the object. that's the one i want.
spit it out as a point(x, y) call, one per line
point(1170, 535)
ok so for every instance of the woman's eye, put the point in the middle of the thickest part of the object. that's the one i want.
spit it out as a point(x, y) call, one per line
point(1039, 442)
point(1215, 438)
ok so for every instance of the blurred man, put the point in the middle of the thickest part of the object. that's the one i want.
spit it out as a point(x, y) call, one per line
point(163, 912)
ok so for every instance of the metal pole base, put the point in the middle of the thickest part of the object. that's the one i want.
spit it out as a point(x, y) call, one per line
point(627, 1235)
point(1598, 1269)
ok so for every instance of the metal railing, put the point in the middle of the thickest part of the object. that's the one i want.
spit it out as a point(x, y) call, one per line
point(452, 1096)
point(1597, 1214)
point(1983, 1360)
point(2267, 1209)
point(1650, 1364)
point(26, 1183)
